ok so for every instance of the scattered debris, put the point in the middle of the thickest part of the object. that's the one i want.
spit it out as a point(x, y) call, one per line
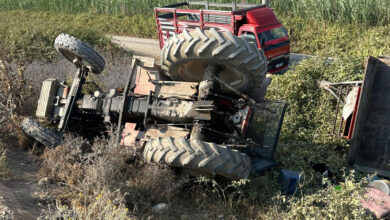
point(289, 181)
point(377, 202)
point(382, 185)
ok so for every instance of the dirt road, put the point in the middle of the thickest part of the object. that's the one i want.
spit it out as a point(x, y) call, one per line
point(151, 48)
point(19, 192)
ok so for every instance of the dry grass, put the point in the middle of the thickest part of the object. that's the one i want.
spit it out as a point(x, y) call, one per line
point(102, 174)
point(15, 93)
point(82, 172)
point(3, 159)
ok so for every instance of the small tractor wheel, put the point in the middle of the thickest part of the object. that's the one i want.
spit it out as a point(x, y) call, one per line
point(72, 48)
point(186, 55)
point(46, 136)
point(198, 156)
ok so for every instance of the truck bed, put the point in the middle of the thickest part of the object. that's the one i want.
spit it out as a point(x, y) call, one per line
point(175, 18)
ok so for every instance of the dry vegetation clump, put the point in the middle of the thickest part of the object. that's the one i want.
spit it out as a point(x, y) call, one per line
point(15, 102)
point(95, 178)
point(14, 92)
point(3, 159)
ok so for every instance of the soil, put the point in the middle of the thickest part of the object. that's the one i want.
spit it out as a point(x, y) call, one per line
point(19, 191)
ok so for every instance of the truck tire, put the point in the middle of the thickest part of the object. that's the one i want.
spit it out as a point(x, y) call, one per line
point(198, 156)
point(184, 57)
point(71, 48)
point(46, 136)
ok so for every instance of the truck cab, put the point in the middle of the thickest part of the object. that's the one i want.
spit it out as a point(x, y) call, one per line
point(257, 23)
point(263, 29)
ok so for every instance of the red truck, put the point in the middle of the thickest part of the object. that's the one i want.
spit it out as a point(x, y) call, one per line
point(257, 23)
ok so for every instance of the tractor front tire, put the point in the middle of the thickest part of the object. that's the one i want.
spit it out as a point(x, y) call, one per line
point(72, 48)
point(186, 55)
point(198, 156)
point(46, 136)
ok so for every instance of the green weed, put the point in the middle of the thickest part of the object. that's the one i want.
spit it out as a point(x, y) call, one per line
point(357, 12)
point(336, 201)
point(30, 35)
point(360, 12)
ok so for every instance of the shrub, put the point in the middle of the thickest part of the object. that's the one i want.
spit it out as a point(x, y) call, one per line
point(340, 201)
point(84, 170)
point(15, 94)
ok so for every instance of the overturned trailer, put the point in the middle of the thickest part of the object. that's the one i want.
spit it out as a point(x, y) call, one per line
point(365, 118)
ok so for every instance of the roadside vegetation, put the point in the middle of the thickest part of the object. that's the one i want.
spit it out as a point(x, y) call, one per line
point(359, 12)
point(101, 180)
point(30, 35)
point(326, 28)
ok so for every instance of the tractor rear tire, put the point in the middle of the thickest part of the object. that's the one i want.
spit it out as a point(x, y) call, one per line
point(185, 56)
point(72, 48)
point(198, 156)
point(46, 136)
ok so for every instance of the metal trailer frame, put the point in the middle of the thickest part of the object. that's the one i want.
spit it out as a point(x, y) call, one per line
point(370, 146)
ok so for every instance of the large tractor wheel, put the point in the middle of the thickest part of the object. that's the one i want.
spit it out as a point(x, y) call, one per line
point(198, 156)
point(72, 48)
point(186, 55)
point(46, 136)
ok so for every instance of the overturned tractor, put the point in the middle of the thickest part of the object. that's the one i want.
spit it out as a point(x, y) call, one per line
point(202, 110)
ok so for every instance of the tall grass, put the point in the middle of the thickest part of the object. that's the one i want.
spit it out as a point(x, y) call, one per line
point(122, 7)
point(362, 12)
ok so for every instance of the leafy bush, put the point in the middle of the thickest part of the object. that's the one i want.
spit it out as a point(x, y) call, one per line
point(310, 36)
point(340, 201)
point(308, 121)
point(310, 107)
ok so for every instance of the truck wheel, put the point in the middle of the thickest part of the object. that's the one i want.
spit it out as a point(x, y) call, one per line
point(72, 48)
point(198, 156)
point(185, 56)
point(46, 136)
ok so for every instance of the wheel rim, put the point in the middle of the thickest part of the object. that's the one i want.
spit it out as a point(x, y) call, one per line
point(72, 56)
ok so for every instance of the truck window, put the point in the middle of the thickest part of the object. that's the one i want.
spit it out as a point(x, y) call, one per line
point(250, 37)
point(273, 34)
